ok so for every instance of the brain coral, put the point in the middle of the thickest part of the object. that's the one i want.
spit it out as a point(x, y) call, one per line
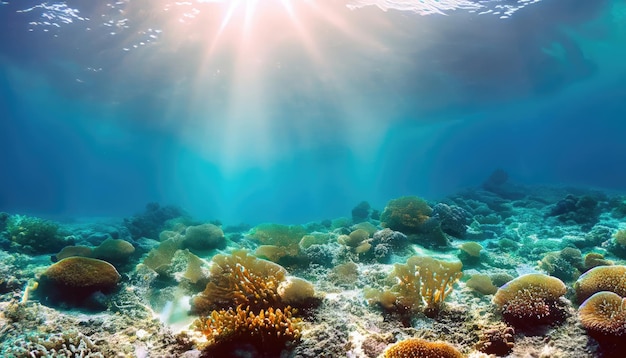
point(419, 348)
point(604, 315)
point(75, 278)
point(530, 299)
point(601, 278)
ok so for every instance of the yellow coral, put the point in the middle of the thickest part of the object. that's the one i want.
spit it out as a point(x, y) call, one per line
point(419, 348)
point(278, 240)
point(422, 282)
point(604, 313)
point(601, 278)
point(530, 299)
point(240, 279)
point(267, 328)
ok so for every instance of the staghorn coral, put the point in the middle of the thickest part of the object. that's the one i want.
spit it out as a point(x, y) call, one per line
point(268, 330)
point(419, 348)
point(530, 299)
point(601, 278)
point(423, 282)
point(240, 279)
point(604, 315)
point(406, 214)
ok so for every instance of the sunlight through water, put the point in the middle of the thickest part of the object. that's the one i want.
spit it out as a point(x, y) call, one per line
point(250, 82)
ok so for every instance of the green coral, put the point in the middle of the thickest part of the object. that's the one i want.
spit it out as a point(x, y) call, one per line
point(406, 214)
point(34, 235)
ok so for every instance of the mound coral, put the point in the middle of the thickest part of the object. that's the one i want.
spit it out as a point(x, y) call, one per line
point(406, 214)
point(285, 239)
point(203, 237)
point(419, 348)
point(601, 278)
point(423, 282)
point(497, 340)
point(604, 315)
point(357, 241)
point(531, 299)
point(114, 250)
point(74, 279)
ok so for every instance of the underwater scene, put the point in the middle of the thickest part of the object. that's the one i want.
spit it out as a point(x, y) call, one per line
point(313, 178)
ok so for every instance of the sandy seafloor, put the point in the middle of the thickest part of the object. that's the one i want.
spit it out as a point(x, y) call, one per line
point(517, 226)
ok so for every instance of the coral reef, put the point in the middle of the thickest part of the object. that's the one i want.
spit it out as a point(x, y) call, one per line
point(34, 235)
point(452, 219)
point(153, 220)
point(313, 300)
point(580, 210)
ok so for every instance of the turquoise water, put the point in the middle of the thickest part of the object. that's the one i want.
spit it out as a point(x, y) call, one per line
point(299, 110)
point(305, 178)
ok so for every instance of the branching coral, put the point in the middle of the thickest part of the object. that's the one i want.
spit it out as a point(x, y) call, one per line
point(34, 235)
point(423, 282)
point(419, 348)
point(266, 329)
point(531, 299)
point(601, 278)
point(604, 315)
point(241, 279)
point(266, 323)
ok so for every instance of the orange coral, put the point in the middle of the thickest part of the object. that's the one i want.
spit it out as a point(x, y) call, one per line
point(419, 348)
point(601, 278)
point(240, 279)
point(604, 314)
point(530, 299)
point(267, 329)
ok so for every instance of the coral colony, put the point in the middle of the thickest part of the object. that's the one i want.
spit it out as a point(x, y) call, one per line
point(499, 270)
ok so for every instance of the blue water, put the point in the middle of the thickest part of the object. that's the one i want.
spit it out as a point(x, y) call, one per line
point(298, 116)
